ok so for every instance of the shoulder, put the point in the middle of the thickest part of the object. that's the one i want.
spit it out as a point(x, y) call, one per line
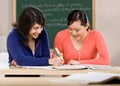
point(95, 33)
point(14, 34)
point(63, 33)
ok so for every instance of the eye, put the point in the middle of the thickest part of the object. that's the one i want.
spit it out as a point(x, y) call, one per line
point(36, 28)
point(77, 30)
point(41, 27)
point(70, 29)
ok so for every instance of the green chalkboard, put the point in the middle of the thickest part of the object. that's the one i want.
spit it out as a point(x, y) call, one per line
point(56, 12)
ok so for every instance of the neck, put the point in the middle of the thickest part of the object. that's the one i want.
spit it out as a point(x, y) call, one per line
point(83, 38)
point(31, 44)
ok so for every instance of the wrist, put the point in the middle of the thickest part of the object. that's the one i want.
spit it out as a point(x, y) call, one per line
point(50, 61)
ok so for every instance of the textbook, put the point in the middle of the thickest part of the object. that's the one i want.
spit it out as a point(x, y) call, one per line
point(84, 66)
point(71, 67)
point(90, 78)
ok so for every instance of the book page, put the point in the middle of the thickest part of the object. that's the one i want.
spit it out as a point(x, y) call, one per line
point(93, 77)
point(101, 67)
point(69, 67)
point(88, 78)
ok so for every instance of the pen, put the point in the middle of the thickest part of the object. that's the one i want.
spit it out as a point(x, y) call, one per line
point(57, 52)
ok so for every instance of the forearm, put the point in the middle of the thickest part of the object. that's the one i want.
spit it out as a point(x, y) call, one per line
point(32, 61)
point(96, 61)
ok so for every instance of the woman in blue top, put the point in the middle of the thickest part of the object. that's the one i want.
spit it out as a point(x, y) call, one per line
point(27, 43)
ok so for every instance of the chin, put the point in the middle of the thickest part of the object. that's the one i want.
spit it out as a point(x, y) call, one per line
point(77, 39)
point(35, 37)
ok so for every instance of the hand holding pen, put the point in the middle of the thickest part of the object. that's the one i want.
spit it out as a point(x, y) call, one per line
point(57, 58)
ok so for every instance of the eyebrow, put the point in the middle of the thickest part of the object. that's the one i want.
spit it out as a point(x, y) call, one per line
point(74, 28)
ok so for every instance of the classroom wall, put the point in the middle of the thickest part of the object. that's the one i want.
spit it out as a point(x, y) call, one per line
point(107, 21)
point(5, 22)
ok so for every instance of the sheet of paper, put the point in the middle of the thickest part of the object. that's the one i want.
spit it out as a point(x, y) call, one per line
point(69, 67)
point(100, 67)
point(86, 78)
point(63, 67)
point(84, 66)
point(37, 67)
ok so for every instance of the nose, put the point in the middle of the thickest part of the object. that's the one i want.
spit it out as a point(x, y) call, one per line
point(73, 32)
point(39, 30)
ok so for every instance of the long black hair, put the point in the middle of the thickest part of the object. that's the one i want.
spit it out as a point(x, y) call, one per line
point(76, 15)
point(27, 19)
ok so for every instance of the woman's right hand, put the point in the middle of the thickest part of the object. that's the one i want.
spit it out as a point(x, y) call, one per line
point(56, 61)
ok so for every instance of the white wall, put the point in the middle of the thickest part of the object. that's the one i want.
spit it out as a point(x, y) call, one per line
point(5, 22)
point(107, 21)
point(3, 16)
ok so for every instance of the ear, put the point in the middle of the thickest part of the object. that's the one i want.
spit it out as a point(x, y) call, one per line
point(87, 25)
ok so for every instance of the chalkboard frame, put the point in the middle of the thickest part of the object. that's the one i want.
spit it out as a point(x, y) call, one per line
point(93, 15)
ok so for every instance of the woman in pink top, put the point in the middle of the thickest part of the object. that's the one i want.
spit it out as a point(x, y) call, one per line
point(79, 44)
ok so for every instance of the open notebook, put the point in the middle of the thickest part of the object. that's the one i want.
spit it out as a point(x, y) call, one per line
point(70, 67)
point(85, 66)
point(90, 78)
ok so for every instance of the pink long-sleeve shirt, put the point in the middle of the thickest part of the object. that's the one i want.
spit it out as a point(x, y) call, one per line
point(93, 51)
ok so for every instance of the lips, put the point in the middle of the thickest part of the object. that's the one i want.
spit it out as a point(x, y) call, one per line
point(35, 35)
point(75, 36)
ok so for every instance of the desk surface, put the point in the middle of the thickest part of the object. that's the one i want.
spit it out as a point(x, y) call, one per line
point(44, 81)
point(54, 72)
point(39, 82)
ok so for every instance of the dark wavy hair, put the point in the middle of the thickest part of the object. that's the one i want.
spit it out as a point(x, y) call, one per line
point(76, 15)
point(27, 19)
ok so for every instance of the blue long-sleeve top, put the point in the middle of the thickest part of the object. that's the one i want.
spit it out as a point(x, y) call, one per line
point(22, 54)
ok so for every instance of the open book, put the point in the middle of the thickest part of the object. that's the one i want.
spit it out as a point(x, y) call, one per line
point(85, 66)
point(70, 67)
point(90, 78)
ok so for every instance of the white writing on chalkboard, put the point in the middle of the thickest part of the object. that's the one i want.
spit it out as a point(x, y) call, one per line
point(50, 11)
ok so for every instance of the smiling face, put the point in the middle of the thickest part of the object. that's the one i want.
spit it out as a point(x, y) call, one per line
point(35, 31)
point(77, 30)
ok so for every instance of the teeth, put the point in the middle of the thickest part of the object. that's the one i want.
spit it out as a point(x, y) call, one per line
point(36, 35)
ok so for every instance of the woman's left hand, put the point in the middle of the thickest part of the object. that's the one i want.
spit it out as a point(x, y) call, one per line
point(73, 62)
point(13, 63)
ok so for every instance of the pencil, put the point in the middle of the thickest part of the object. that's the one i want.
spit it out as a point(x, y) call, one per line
point(58, 52)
